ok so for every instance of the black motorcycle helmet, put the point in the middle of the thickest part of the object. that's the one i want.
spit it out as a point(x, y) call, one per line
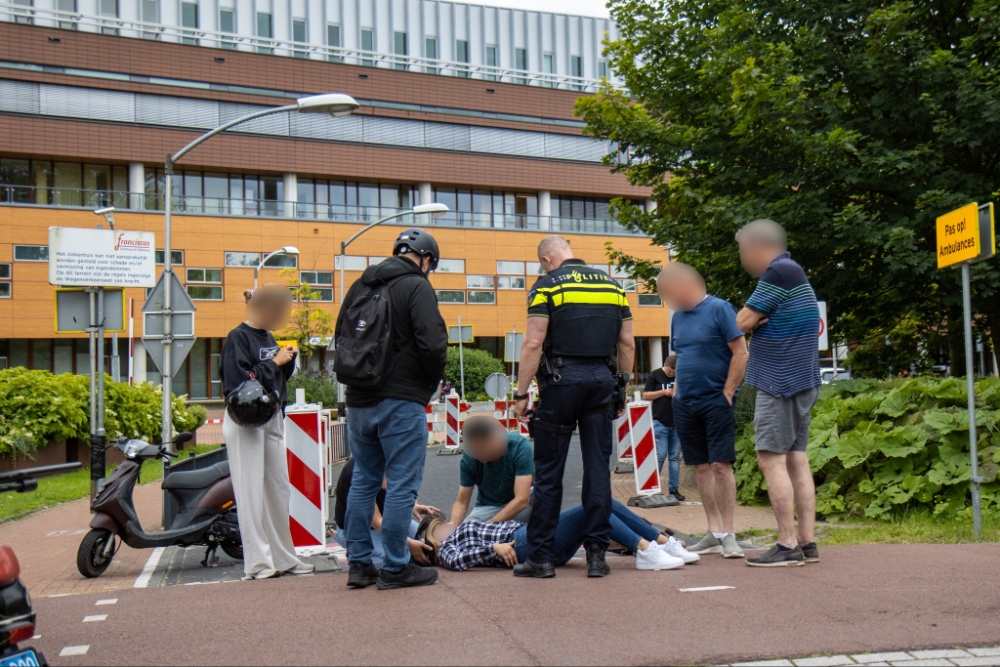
point(417, 241)
point(251, 406)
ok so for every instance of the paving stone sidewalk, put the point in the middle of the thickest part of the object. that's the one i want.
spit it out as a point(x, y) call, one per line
point(967, 657)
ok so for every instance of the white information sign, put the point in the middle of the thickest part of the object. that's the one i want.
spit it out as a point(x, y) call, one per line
point(101, 258)
point(824, 335)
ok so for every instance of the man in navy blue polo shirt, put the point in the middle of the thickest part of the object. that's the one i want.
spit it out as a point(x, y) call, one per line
point(784, 367)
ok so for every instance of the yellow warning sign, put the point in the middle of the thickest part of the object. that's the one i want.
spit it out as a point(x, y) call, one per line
point(958, 236)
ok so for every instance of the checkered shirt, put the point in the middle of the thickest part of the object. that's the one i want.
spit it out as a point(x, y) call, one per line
point(472, 544)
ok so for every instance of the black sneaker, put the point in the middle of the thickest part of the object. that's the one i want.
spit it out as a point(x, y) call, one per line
point(409, 576)
point(775, 557)
point(811, 552)
point(677, 494)
point(596, 565)
point(530, 568)
point(362, 575)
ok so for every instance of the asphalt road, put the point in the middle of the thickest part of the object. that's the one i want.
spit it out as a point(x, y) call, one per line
point(864, 598)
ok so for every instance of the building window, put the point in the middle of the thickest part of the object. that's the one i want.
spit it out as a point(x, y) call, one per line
point(602, 69)
point(399, 49)
point(491, 60)
point(227, 24)
point(481, 282)
point(521, 63)
point(482, 297)
point(282, 262)
point(351, 263)
point(299, 35)
point(547, 68)
point(431, 53)
point(189, 19)
point(210, 292)
point(265, 32)
point(176, 257)
point(510, 282)
point(451, 266)
point(650, 300)
point(375, 261)
point(31, 253)
point(5, 274)
point(63, 183)
point(535, 269)
point(576, 69)
point(450, 296)
point(108, 9)
point(367, 44)
point(627, 284)
point(314, 278)
point(242, 259)
point(333, 40)
point(462, 56)
point(67, 23)
point(510, 268)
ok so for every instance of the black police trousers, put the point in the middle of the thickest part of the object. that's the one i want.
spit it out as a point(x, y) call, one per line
point(581, 388)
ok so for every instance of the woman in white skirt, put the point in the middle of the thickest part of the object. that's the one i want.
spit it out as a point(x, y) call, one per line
point(257, 455)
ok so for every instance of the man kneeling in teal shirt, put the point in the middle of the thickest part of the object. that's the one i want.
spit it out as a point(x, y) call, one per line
point(500, 465)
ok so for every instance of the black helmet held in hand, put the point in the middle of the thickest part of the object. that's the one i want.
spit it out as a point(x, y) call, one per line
point(251, 406)
point(417, 241)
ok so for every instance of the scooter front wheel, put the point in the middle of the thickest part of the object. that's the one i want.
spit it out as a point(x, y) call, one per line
point(90, 558)
point(233, 549)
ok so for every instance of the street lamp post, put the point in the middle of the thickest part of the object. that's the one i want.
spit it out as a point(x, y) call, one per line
point(335, 104)
point(287, 250)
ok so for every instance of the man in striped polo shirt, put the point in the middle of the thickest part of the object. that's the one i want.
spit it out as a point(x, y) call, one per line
point(784, 367)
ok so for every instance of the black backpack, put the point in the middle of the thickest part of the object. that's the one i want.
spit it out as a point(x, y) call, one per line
point(364, 343)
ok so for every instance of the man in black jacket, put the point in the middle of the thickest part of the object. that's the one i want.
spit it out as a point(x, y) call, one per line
point(387, 426)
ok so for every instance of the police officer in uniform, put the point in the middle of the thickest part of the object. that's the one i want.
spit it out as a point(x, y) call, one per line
point(579, 333)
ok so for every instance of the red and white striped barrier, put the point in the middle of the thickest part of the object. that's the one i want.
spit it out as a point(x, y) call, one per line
point(647, 474)
point(623, 438)
point(306, 457)
point(452, 419)
point(325, 420)
point(213, 421)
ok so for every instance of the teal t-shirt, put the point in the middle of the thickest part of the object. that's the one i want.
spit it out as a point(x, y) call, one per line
point(496, 480)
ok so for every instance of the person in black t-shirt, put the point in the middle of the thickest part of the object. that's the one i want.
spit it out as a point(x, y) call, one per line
point(660, 389)
point(257, 460)
point(418, 550)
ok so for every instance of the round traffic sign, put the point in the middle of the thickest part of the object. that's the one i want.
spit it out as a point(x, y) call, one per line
point(497, 386)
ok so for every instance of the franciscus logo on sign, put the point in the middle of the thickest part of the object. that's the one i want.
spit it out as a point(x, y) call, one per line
point(125, 243)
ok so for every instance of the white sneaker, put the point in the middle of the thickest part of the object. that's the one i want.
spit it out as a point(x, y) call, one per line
point(263, 574)
point(301, 568)
point(677, 550)
point(654, 558)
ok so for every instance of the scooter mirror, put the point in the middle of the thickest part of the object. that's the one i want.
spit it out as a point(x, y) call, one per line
point(182, 437)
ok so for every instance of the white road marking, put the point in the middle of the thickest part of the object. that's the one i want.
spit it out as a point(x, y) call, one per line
point(142, 581)
point(59, 595)
point(36, 636)
point(704, 588)
point(111, 601)
point(54, 533)
point(96, 617)
point(74, 650)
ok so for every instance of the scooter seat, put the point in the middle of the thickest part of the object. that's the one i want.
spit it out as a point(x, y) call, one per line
point(196, 479)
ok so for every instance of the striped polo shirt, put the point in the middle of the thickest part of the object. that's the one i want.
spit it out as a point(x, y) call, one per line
point(784, 356)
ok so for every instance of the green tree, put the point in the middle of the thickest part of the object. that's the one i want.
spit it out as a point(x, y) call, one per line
point(479, 364)
point(854, 124)
point(308, 321)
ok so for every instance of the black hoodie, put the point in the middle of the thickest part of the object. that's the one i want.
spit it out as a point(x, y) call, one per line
point(419, 336)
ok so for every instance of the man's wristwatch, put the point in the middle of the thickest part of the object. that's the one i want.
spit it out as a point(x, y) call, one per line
point(520, 397)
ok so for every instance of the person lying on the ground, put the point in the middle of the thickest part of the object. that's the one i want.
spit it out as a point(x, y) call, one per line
point(418, 550)
point(505, 543)
point(500, 465)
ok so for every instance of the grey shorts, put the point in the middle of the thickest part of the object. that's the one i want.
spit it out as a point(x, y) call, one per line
point(782, 424)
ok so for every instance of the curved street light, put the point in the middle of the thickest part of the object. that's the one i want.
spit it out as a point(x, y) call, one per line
point(287, 250)
point(337, 105)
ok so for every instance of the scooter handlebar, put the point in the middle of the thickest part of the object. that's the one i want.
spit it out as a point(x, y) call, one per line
point(173, 455)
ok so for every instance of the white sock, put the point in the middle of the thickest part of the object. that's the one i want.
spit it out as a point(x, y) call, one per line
point(719, 536)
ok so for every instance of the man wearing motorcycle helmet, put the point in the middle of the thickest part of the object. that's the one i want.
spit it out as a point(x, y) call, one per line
point(254, 371)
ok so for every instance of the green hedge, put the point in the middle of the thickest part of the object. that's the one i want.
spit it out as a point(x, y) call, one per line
point(37, 407)
point(479, 364)
point(320, 387)
point(879, 448)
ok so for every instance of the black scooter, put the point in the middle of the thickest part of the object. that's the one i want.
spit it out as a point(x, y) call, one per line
point(207, 514)
point(17, 618)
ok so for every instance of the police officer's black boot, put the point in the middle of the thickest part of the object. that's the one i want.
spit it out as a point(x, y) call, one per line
point(596, 565)
point(530, 568)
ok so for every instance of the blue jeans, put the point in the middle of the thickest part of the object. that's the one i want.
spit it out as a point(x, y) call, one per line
point(378, 552)
point(626, 529)
point(668, 448)
point(387, 439)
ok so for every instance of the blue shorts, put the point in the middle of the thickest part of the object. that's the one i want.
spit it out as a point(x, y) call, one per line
point(707, 430)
